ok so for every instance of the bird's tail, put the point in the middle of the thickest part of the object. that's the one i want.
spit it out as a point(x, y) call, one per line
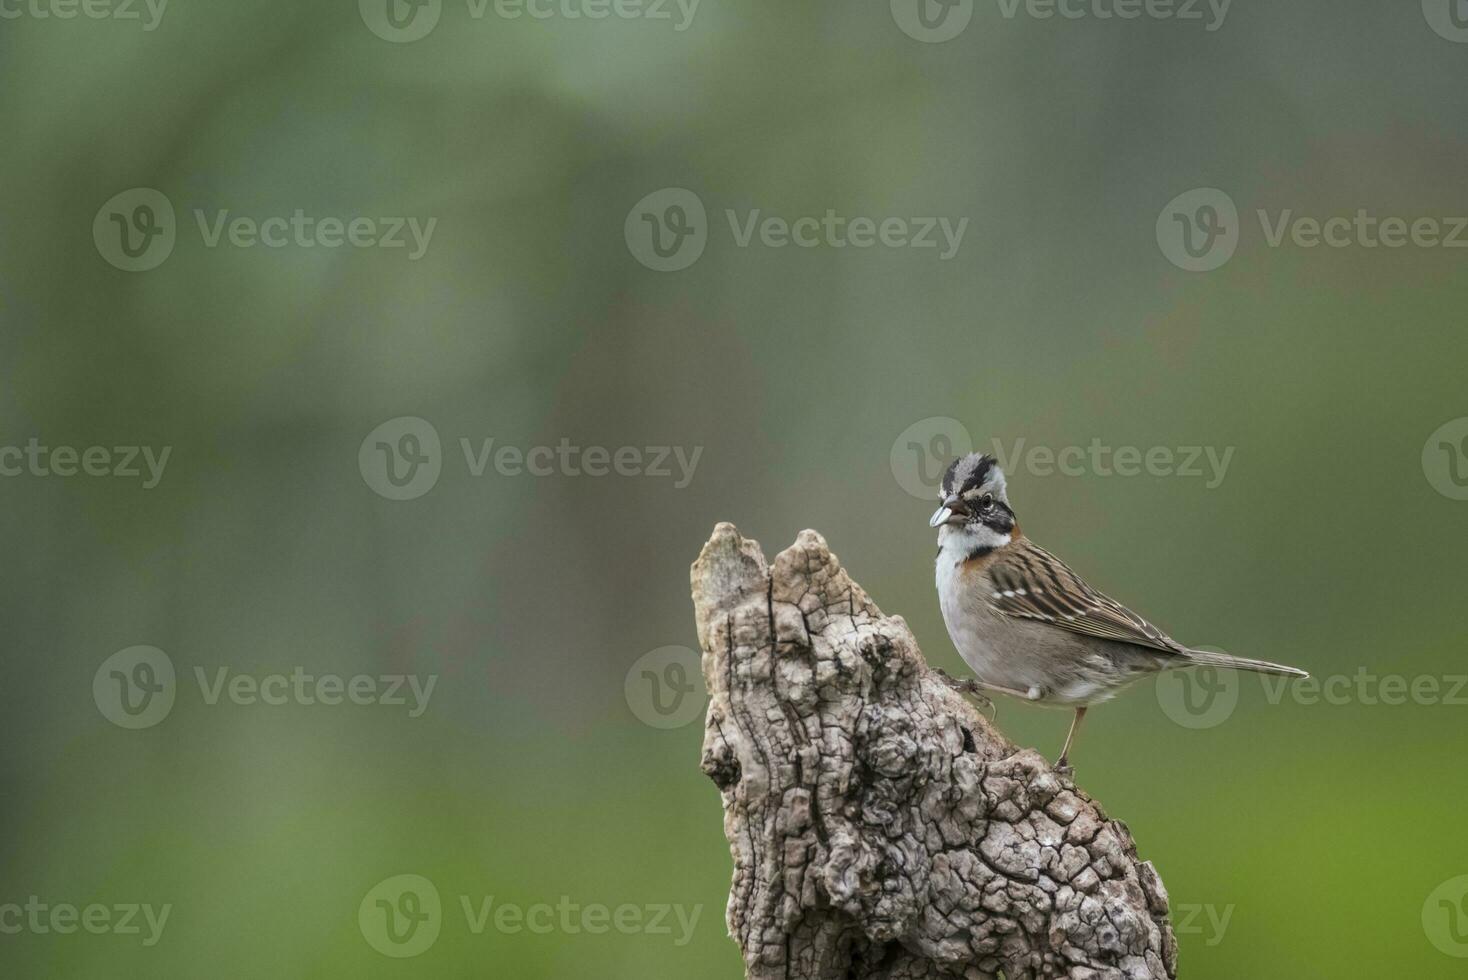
point(1209, 658)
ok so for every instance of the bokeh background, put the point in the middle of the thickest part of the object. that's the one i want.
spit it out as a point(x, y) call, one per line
point(1333, 542)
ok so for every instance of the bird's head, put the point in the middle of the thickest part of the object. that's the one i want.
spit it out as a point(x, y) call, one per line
point(974, 503)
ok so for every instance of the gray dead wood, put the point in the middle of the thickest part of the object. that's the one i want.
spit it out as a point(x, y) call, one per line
point(880, 827)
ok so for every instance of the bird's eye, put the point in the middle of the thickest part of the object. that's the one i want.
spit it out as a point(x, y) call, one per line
point(987, 500)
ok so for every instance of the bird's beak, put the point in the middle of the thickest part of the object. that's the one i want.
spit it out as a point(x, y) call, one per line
point(951, 512)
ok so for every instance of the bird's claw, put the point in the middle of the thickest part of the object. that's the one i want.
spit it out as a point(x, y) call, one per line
point(970, 687)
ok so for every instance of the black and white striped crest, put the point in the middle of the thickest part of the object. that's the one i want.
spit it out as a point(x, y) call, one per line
point(974, 472)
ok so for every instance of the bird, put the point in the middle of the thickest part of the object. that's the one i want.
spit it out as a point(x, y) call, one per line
point(1027, 625)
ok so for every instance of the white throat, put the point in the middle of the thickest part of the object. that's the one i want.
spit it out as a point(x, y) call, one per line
point(957, 542)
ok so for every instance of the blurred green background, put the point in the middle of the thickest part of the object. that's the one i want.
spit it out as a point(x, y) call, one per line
point(798, 372)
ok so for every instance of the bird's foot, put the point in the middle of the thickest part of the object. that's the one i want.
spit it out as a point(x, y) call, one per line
point(1064, 768)
point(970, 687)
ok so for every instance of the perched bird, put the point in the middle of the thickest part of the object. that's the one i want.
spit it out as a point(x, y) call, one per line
point(1028, 625)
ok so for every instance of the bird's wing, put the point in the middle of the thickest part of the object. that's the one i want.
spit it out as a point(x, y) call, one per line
point(1031, 583)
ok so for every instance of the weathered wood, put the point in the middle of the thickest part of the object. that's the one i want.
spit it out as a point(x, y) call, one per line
point(880, 827)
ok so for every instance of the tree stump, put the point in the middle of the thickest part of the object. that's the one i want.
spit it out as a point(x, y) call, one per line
point(880, 826)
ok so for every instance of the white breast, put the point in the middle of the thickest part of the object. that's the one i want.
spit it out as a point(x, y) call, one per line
point(967, 617)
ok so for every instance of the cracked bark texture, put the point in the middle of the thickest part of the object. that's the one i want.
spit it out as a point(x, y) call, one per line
point(880, 827)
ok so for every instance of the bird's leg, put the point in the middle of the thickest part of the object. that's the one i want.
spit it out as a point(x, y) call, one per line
point(1033, 694)
point(1063, 762)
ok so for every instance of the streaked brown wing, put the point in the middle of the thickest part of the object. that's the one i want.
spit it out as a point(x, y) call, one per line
point(1031, 583)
